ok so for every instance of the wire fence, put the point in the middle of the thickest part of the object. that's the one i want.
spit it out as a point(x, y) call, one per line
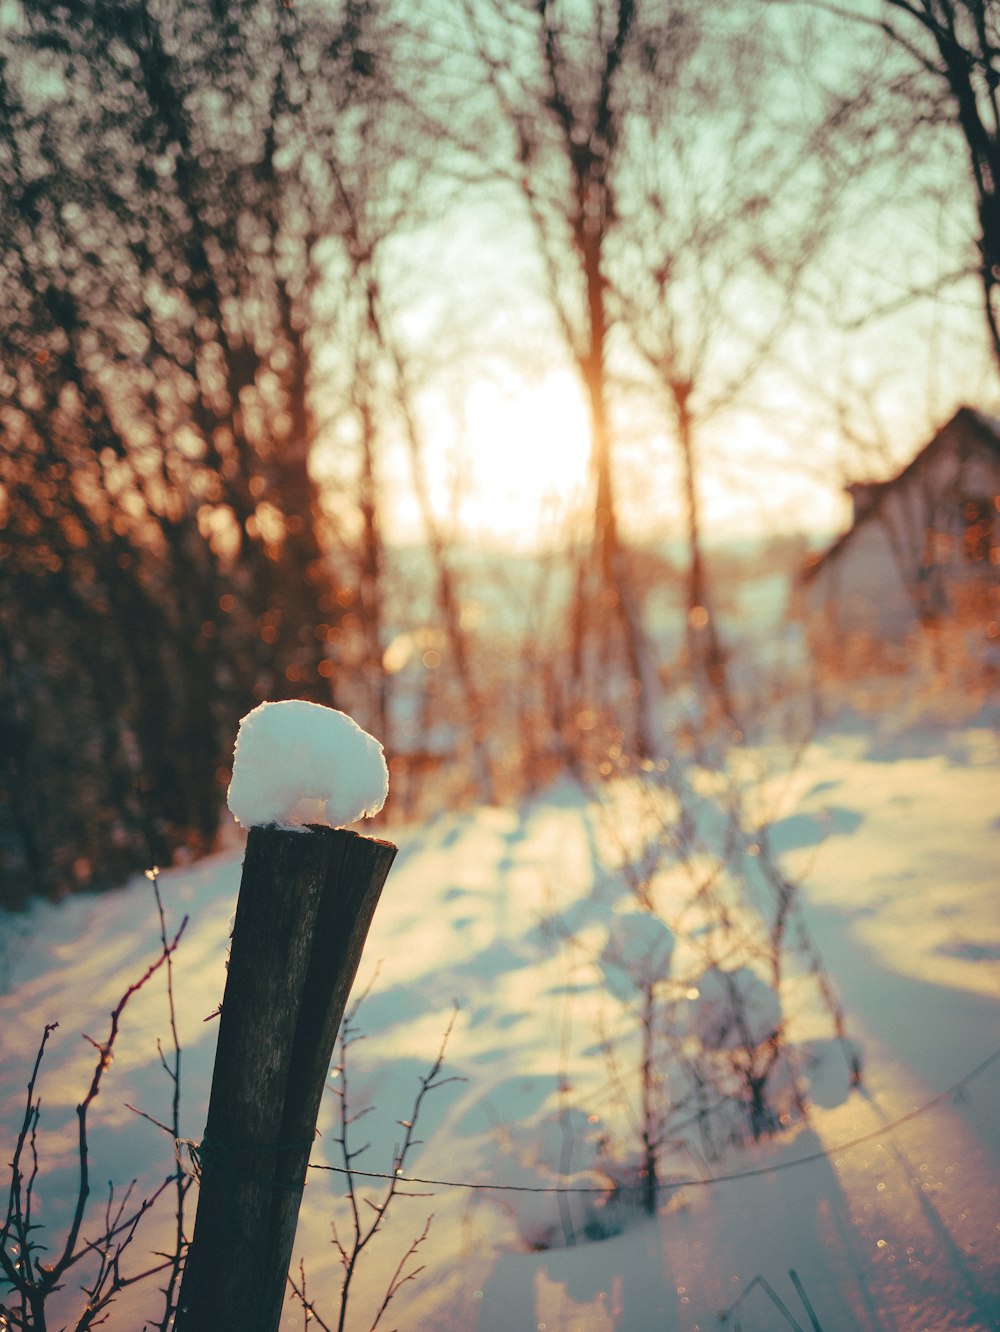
point(687, 1182)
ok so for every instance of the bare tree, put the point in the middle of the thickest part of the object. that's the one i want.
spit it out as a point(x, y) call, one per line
point(956, 45)
point(558, 89)
point(722, 209)
point(946, 76)
point(674, 212)
point(386, 188)
point(161, 247)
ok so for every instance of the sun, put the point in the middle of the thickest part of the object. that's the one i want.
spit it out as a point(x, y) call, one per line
point(501, 463)
point(526, 455)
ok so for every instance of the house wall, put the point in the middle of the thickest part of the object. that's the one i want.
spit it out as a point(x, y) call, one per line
point(924, 552)
point(860, 589)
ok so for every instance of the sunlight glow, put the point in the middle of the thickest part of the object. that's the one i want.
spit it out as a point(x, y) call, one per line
point(508, 465)
point(527, 456)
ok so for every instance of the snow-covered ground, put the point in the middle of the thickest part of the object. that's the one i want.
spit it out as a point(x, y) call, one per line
point(889, 1219)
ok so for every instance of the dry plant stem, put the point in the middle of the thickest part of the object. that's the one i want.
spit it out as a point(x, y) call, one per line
point(400, 1277)
point(747, 917)
point(18, 1219)
point(650, 1110)
point(105, 1052)
point(806, 1302)
point(564, 1090)
point(182, 1181)
point(34, 1280)
point(364, 1230)
point(777, 1301)
point(310, 1314)
point(173, 1261)
point(110, 1279)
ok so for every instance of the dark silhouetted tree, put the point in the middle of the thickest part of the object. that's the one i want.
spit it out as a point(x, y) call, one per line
point(163, 560)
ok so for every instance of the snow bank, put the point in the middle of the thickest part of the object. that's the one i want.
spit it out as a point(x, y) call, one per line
point(298, 763)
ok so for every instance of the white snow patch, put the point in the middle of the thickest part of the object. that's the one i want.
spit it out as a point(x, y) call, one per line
point(297, 762)
point(903, 905)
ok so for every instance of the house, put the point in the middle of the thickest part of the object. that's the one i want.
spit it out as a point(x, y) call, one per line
point(922, 547)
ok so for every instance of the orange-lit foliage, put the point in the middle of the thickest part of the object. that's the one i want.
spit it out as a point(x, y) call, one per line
point(160, 553)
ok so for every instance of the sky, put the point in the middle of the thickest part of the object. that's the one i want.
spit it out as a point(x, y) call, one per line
point(857, 385)
point(858, 382)
point(515, 474)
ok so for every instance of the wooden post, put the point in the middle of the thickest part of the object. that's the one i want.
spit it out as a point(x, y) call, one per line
point(305, 906)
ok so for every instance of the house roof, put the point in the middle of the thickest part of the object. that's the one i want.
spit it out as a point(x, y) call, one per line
point(967, 425)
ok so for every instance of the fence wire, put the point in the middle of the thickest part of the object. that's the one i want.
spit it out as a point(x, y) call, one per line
point(687, 1182)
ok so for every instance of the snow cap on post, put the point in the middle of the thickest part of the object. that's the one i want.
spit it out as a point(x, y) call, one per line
point(297, 763)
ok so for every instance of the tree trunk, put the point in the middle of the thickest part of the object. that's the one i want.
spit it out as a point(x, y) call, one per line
point(707, 658)
point(618, 594)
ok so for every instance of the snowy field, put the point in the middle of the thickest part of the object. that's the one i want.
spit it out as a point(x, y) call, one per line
point(878, 1210)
